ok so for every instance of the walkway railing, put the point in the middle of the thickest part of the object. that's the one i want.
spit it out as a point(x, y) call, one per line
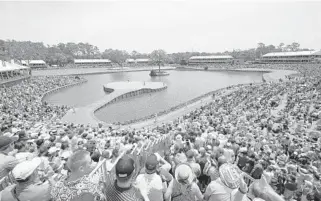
point(139, 154)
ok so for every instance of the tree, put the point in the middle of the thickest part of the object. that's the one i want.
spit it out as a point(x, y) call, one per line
point(280, 47)
point(236, 53)
point(260, 45)
point(183, 62)
point(158, 57)
point(288, 48)
point(134, 54)
point(260, 49)
point(116, 56)
point(3, 53)
point(56, 57)
point(270, 48)
point(295, 46)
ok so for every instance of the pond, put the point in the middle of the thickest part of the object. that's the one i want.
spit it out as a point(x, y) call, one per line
point(182, 86)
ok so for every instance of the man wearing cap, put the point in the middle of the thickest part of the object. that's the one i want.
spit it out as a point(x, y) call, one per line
point(242, 158)
point(7, 163)
point(151, 181)
point(22, 136)
point(119, 184)
point(29, 186)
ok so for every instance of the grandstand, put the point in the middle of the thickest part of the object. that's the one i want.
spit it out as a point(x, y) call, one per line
point(142, 61)
point(292, 57)
point(130, 61)
point(9, 70)
point(92, 62)
point(34, 63)
point(138, 62)
point(213, 59)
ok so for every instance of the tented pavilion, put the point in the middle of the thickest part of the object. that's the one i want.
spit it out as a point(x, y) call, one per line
point(34, 63)
point(92, 62)
point(10, 70)
point(292, 57)
point(212, 59)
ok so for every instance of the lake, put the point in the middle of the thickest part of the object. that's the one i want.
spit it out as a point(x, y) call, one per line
point(182, 86)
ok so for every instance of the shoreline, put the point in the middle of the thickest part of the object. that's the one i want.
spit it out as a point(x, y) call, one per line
point(269, 75)
point(97, 71)
point(47, 93)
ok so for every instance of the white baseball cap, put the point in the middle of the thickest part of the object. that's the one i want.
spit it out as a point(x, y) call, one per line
point(24, 169)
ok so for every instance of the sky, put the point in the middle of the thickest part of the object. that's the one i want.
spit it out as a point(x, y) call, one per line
point(172, 25)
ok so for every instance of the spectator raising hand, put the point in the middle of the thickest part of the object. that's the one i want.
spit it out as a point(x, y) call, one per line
point(261, 189)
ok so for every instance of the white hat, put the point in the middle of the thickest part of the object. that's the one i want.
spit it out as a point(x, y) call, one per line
point(45, 136)
point(14, 130)
point(178, 137)
point(24, 169)
point(8, 134)
point(243, 149)
point(53, 150)
point(66, 154)
point(34, 135)
point(65, 139)
point(184, 172)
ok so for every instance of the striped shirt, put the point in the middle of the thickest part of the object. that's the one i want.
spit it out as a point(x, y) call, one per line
point(115, 193)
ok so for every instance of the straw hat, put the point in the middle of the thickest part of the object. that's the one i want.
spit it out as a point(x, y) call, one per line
point(184, 174)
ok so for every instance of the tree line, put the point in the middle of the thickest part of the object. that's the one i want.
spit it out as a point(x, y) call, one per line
point(64, 53)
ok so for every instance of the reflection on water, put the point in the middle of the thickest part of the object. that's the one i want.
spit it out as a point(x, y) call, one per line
point(182, 86)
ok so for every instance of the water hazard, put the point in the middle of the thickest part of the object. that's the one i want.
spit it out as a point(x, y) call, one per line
point(182, 86)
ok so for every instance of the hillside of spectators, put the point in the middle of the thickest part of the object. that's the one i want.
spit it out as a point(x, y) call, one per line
point(259, 142)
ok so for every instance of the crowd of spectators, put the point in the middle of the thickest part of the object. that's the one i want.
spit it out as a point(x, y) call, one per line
point(257, 142)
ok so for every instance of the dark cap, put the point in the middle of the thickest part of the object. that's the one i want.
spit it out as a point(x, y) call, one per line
point(125, 167)
point(151, 164)
point(22, 135)
point(5, 141)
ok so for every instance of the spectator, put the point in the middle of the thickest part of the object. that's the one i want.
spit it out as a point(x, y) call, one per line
point(183, 187)
point(151, 181)
point(78, 185)
point(229, 186)
point(7, 163)
point(29, 186)
point(119, 184)
point(191, 162)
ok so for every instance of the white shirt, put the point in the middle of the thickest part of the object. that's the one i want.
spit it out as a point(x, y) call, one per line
point(152, 184)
